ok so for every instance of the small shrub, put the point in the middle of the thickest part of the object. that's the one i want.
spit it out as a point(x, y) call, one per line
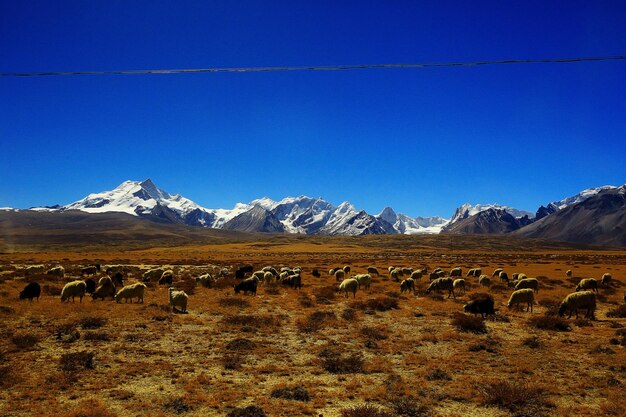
point(233, 362)
point(349, 314)
point(305, 301)
point(7, 310)
point(409, 407)
point(76, 360)
point(90, 408)
point(316, 321)
point(532, 342)
point(377, 304)
point(324, 295)
point(583, 323)
point(294, 393)
point(25, 340)
point(477, 347)
point(515, 397)
point(98, 336)
point(438, 375)
point(254, 320)
point(67, 333)
point(336, 363)
point(373, 333)
point(619, 312)
point(466, 323)
point(234, 302)
point(549, 322)
point(249, 411)
point(240, 344)
point(92, 322)
point(602, 349)
point(177, 405)
point(365, 410)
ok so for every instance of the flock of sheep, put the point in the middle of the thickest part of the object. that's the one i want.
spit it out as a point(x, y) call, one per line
point(452, 282)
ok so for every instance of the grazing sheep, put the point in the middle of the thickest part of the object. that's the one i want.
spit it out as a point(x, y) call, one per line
point(531, 283)
point(568, 272)
point(105, 289)
point(241, 272)
point(372, 270)
point(347, 269)
point(58, 271)
point(606, 279)
point(283, 275)
point(152, 275)
point(178, 299)
point(395, 274)
point(118, 279)
point(480, 303)
point(437, 270)
point(205, 280)
point(511, 284)
point(340, 274)
point(504, 277)
point(496, 272)
point(34, 269)
point(332, 271)
point(247, 286)
point(391, 268)
point(349, 285)
point(587, 284)
point(364, 280)
point(30, 291)
point(474, 272)
point(525, 295)
point(425, 269)
point(442, 284)
point(442, 274)
point(91, 285)
point(579, 300)
point(459, 284)
point(167, 277)
point(259, 274)
point(407, 271)
point(268, 277)
point(456, 272)
point(293, 281)
point(316, 273)
point(518, 276)
point(131, 291)
point(484, 281)
point(289, 270)
point(407, 285)
point(270, 269)
point(73, 289)
point(416, 275)
point(114, 269)
point(433, 276)
point(90, 270)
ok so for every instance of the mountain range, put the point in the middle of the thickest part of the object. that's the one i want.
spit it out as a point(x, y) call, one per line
point(595, 215)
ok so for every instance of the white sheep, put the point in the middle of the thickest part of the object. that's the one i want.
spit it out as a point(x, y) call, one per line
point(35, 269)
point(525, 295)
point(504, 277)
point(532, 283)
point(395, 274)
point(178, 299)
point(259, 275)
point(340, 275)
point(416, 275)
point(205, 280)
point(152, 275)
point(268, 277)
point(391, 268)
point(131, 291)
point(568, 272)
point(606, 279)
point(579, 300)
point(433, 276)
point(372, 270)
point(496, 272)
point(105, 288)
point(587, 284)
point(58, 271)
point(459, 284)
point(364, 280)
point(407, 285)
point(456, 272)
point(441, 284)
point(484, 281)
point(349, 285)
point(73, 289)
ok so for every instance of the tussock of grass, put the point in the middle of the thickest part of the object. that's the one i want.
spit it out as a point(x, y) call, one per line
point(382, 303)
point(365, 410)
point(92, 322)
point(549, 322)
point(619, 312)
point(342, 363)
point(316, 321)
point(24, 341)
point(297, 393)
point(249, 411)
point(521, 399)
point(76, 360)
point(467, 323)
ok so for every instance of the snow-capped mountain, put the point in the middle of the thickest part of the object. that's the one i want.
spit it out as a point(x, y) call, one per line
point(490, 221)
point(467, 210)
point(581, 196)
point(407, 225)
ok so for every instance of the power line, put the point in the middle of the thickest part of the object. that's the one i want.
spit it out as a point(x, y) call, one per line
point(316, 68)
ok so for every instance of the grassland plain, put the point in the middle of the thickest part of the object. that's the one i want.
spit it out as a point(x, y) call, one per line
point(313, 352)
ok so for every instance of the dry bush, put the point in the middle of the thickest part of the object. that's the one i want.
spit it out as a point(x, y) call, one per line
point(532, 342)
point(467, 323)
point(76, 360)
point(7, 377)
point(338, 363)
point(254, 320)
point(521, 399)
point(316, 321)
point(438, 375)
point(382, 303)
point(67, 333)
point(249, 411)
point(324, 295)
point(619, 312)
point(7, 310)
point(90, 408)
point(240, 344)
point(92, 322)
point(409, 407)
point(233, 361)
point(349, 314)
point(25, 340)
point(234, 302)
point(297, 393)
point(305, 300)
point(177, 406)
point(365, 410)
point(373, 333)
point(97, 336)
point(549, 322)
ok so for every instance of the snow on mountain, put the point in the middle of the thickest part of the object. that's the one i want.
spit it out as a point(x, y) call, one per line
point(581, 196)
point(407, 225)
point(467, 210)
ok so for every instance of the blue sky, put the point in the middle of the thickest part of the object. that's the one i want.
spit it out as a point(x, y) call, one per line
point(420, 140)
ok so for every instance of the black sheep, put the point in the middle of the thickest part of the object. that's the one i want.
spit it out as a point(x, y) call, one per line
point(30, 291)
point(91, 285)
point(316, 273)
point(480, 304)
point(247, 285)
point(118, 279)
point(241, 272)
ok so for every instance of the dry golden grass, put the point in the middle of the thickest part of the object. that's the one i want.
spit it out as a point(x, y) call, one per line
point(314, 352)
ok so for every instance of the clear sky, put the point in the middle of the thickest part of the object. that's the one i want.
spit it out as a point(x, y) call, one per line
point(422, 141)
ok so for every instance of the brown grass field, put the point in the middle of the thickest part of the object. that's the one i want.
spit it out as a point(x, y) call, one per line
point(313, 352)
